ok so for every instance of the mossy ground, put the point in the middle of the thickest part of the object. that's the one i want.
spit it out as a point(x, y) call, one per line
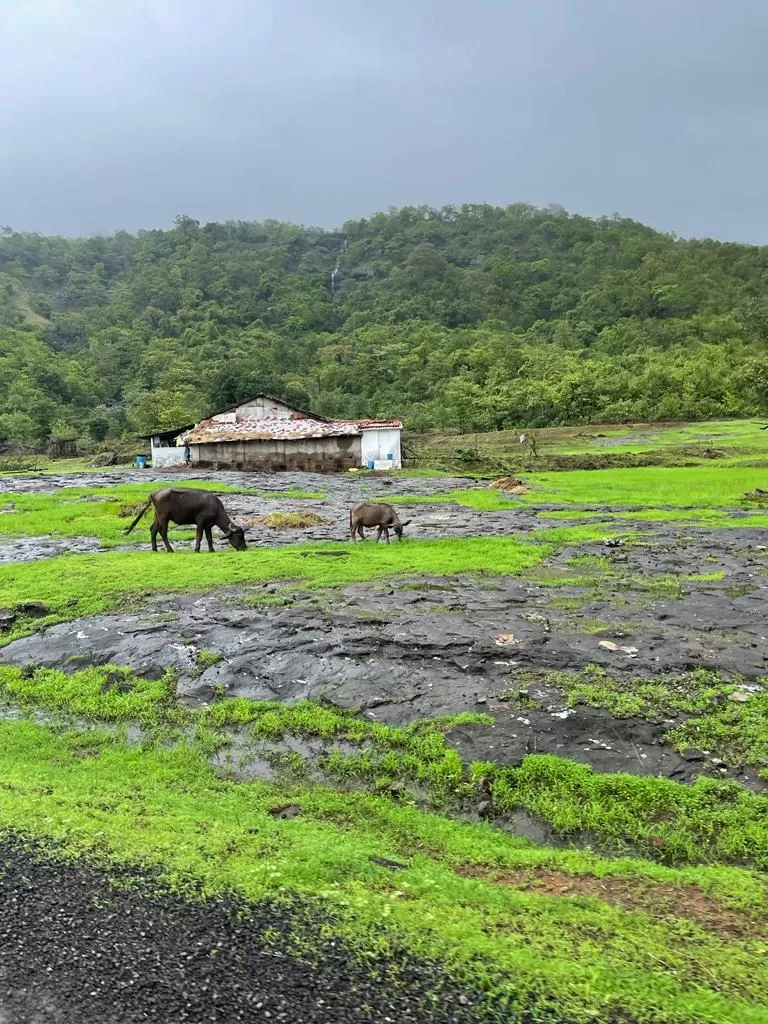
point(666, 924)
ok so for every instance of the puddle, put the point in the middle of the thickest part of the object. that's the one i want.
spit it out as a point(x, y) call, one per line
point(525, 825)
point(31, 549)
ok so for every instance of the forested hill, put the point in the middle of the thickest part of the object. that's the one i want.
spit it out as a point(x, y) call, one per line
point(477, 317)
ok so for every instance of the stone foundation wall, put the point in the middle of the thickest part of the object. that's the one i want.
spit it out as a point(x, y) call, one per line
point(312, 455)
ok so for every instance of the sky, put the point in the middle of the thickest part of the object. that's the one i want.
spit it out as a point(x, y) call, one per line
point(122, 114)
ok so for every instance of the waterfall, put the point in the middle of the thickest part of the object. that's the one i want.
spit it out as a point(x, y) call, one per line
point(337, 267)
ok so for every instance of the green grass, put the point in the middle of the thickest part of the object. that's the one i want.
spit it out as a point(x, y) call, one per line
point(107, 693)
point(719, 434)
point(700, 822)
point(714, 518)
point(42, 464)
point(206, 659)
point(424, 474)
point(708, 821)
point(77, 585)
point(711, 821)
point(622, 439)
point(70, 512)
point(734, 731)
point(689, 692)
point(167, 810)
point(483, 499)
point(650, 486)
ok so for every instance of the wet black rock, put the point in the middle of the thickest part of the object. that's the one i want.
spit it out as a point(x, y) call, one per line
point(30, 549)
point(589, 735)
point(33, 609)
point(423, 647)
point(7, 619)
point(693, 754)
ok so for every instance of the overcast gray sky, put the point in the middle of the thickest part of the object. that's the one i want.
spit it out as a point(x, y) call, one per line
point(124, 113)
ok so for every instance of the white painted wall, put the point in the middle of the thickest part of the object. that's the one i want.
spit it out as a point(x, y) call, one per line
point(163, 457)
point(377, 443)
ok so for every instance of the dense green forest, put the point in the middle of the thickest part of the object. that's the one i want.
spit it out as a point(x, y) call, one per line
point(475, 317)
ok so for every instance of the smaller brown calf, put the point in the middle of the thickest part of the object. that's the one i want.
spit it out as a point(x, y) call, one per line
point(369, 514)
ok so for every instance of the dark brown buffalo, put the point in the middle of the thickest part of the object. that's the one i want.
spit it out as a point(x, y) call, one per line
point(186, 506)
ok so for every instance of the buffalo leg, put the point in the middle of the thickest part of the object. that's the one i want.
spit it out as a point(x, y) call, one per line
point(153, 534)
point(164, 535)
point(378, 533)
point(360, 532)
point(209, 537)
point(198, 538)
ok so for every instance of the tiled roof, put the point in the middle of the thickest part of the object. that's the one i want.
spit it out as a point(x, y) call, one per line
point(272, 428)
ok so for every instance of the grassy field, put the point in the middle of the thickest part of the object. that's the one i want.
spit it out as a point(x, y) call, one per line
point(105, 512)
point(733, 441)
point(709, 487)
point(649, 904)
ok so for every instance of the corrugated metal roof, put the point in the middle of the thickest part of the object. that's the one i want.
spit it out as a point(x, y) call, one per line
point(273, 398)
point(166, 435)
point(270, 428)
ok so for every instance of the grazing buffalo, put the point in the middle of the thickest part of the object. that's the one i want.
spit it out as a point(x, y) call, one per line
point(373, 514)
point(186, 506)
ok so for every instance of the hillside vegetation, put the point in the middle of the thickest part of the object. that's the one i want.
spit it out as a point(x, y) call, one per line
point(474, 317)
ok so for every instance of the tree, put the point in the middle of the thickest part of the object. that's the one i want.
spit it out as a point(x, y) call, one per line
point(473, 316)
point(465, 404)
point(18, 428)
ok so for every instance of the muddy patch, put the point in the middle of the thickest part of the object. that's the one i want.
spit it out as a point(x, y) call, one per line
point(635, 893)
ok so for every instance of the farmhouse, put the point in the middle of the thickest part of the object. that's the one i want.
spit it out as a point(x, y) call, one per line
point(267, 433)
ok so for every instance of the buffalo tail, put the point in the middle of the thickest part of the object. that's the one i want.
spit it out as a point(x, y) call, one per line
point(138, 517)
